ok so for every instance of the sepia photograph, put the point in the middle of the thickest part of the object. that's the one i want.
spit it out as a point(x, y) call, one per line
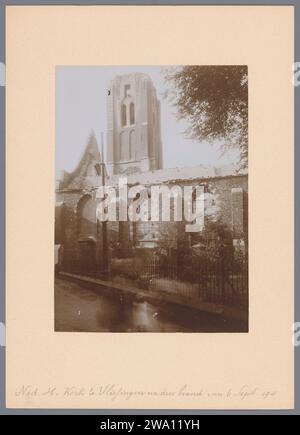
point(150, 211)
point(151, 199)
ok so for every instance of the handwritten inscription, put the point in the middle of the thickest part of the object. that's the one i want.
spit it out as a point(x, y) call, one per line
point(114, 392)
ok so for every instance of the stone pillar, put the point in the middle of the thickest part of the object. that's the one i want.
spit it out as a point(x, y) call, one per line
point(237, 207)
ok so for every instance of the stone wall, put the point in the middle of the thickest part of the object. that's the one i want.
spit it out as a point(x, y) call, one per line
point(226, 200)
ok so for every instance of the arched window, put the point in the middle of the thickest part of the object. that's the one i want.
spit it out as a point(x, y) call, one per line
point(132, 115)
point(126, 90)
point(123, 154)
point(123, 115)
point(86, 216)
point(132, 145)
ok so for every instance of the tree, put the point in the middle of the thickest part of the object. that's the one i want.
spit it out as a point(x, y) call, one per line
point(214, 99)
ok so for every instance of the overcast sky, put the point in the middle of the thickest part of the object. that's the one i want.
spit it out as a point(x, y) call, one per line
point(81, 107)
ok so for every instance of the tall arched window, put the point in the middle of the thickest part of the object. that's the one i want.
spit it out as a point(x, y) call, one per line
point(132, 145)
point(123, 154)
point(132, 115)
point(123, 115)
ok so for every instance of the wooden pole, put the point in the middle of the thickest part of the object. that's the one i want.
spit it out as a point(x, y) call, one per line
point(105, 252)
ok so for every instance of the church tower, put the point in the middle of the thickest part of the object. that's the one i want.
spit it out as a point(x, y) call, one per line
point(133, 125)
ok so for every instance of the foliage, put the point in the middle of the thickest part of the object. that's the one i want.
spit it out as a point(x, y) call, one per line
point(131, 267)
point(214, 100)
point(127, 267)
point(195, 254)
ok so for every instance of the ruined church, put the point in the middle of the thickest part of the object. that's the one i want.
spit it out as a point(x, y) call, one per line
point(134, 149)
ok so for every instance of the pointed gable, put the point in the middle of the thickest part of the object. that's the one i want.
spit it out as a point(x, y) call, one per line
point(85, 176)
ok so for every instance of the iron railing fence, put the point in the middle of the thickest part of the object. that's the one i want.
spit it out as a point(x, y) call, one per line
point(221, 280)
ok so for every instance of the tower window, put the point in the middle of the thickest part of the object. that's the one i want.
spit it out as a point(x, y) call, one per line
point(126, 90)
point(123, 115)
point(132, 145)
point(123, 154)
point(132, 114)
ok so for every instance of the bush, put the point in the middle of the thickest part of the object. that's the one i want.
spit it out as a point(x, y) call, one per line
point(130, 268)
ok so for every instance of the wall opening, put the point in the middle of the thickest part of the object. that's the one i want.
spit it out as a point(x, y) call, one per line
point(131, 114)
point(123, 115)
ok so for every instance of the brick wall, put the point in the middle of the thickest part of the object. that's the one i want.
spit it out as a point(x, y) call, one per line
point(226, 198)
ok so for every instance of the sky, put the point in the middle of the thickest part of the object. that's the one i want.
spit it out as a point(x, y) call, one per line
point(81, 108)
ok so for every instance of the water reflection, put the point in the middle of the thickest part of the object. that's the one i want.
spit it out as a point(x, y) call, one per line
point(81, 309)
point(122, 315)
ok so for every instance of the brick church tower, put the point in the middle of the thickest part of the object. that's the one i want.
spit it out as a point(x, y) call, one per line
point(133, 125)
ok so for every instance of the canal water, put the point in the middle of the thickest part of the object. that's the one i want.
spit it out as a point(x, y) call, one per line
point(84, 310)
